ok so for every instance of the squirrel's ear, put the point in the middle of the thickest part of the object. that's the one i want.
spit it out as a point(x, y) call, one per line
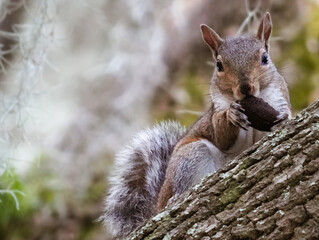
point(264, 29)
point(211, 38)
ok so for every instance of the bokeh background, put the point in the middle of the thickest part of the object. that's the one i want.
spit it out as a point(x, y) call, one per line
point(79, 77)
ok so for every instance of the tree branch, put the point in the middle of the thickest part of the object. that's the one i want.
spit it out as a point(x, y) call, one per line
point(270, 191)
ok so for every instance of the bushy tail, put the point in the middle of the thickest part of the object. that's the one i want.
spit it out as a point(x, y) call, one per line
point(138, 176)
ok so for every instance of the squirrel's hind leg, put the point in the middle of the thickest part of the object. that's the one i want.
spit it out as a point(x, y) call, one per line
point(197, 160)
point(188, 165)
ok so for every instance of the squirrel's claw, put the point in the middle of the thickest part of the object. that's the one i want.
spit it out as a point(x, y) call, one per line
point(237, 117)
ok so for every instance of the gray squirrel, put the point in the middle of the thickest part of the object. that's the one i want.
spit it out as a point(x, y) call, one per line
point(163, 162)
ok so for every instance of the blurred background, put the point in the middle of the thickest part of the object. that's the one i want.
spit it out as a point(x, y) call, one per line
point(79, 77)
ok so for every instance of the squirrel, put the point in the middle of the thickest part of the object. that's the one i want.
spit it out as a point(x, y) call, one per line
point(163, 162)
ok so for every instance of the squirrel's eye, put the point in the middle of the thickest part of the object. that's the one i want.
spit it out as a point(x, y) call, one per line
point(219, 66)
point(264, 59)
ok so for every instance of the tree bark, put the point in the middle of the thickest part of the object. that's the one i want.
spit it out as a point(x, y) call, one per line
point(270, 191)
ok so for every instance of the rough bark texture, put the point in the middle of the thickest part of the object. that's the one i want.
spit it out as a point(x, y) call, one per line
point(271, 191)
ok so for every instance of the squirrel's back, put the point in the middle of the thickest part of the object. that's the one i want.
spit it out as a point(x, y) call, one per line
point(138, 176)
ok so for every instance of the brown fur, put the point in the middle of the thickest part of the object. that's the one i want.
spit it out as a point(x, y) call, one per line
point(216, 128)
point(225, 133)
point(186, 140)
point(165, 194)
point(167, 190)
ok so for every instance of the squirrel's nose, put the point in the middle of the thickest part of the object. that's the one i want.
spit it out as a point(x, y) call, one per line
point(245, 88)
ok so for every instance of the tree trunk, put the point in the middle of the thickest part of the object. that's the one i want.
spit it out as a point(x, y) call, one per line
point(270, 191)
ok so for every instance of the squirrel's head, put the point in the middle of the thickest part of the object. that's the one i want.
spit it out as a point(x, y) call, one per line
point(243, 65)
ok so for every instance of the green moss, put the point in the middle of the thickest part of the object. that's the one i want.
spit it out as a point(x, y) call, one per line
point(231, 195)
point(245, 163)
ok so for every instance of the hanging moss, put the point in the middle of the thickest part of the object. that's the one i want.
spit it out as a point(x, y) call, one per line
point(13, 219)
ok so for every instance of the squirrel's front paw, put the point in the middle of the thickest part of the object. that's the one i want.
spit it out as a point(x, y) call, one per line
point(236, 116)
